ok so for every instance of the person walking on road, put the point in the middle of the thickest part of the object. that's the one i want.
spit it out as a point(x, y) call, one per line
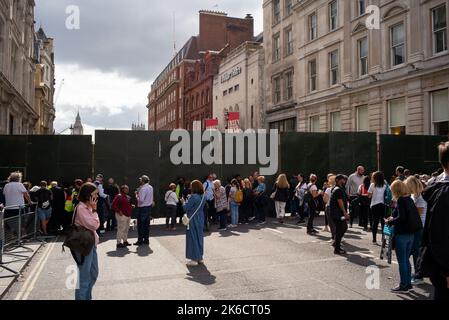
point(280, 195)
point(355, 180)
point(261, 200)
point(86, 216)
point(364, 203)
point(329, 227)
point(234, 205)
point(194, 207)
point(112, 190)
point(300, 192)
point(434, 259)
point(123, 209)
point(247, 206)
point(44, 199)
point(145, 200)
point(311, 201)
point(376, 193)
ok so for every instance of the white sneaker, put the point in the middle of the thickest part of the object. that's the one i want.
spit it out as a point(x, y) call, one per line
point(192, 264)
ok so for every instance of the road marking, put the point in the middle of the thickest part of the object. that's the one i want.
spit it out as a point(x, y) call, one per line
point(29, 284)
point(273, 230)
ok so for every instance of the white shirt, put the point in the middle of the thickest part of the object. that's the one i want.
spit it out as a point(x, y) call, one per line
point(378, 194)
point(328, 192)
point(13, 192)
point(421, 203)
point(145, 196)
point(171, 199)
point(312, 187)
point(101, 191)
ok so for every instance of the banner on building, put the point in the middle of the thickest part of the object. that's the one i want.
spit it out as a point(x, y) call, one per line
point(233, 120)
point(211, 124)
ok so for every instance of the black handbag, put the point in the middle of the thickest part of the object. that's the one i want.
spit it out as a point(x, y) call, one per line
point(79, 240)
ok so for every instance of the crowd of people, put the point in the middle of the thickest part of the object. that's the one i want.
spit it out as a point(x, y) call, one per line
point(412, 207)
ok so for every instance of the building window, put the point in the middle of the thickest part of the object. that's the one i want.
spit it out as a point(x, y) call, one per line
point(336, 121)
point(397, 44)
point(397, 121)
point(312, 76)
point(315, 124)
point(276, 11)
point(333, 67)
point(252, 81)
point(289, 85)
point(277, 90)
point(361, 7)
point(288, 7)
point(225, 93)
point(276, 47)
point(440, 112)
point(362, 119)
point(333, 15)
point(288, 42)
point(231, 90)
point(237, 88)
point(288, 125)
point(439, 28)
point(252, 117)
point(363, 56)
point(313, 32)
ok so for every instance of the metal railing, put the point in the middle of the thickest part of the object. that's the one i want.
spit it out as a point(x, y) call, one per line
point(17, 225)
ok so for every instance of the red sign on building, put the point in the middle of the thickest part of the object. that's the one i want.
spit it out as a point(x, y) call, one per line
point(211, 124)
point(233, 120)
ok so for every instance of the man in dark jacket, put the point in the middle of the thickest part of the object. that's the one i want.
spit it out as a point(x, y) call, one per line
point(435, 255)
point(58, 211)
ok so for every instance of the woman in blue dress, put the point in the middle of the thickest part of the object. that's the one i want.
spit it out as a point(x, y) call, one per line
point(194, 208)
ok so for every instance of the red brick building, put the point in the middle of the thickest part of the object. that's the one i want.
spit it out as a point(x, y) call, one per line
point(191, 72)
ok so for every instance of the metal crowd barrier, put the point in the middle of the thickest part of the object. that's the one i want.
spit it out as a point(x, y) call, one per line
point(17, 225)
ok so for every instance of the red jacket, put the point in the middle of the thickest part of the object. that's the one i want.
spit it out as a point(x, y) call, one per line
point(122, 204)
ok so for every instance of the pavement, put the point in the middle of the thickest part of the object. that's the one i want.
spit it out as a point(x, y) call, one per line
point(273, 262)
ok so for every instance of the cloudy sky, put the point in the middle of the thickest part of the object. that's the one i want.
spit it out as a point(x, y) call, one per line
point(108, 64)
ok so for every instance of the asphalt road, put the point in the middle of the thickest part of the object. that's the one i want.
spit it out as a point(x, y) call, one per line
point(276, 261)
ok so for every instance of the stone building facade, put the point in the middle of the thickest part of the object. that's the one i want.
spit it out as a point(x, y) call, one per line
point(238, 87)
point(17, 67)
point(392, 80)
point(167, 102)
point(45, 83)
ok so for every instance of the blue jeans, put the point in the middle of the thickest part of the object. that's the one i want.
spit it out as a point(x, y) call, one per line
point(88, 274)
point(143, 224)
point(234, 213)
point(417, 241)
point(404, 246)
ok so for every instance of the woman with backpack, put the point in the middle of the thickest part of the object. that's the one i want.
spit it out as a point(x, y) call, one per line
point(406, 222)
point(376, 193)
point(364, 203)
point(171, 201)
point(280, 196)
point(235, 198)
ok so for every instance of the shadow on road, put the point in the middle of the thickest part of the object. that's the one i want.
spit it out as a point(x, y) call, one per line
point(201, 275)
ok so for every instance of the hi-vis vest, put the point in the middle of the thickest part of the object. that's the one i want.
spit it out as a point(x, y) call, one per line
point(69, 207)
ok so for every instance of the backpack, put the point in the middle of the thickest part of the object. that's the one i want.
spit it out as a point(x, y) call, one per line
point(238, 196)
point(308, 196)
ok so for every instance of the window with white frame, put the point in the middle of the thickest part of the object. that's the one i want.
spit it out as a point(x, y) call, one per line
point(315, 124)
point(276, 89)
point(397, 116)
point(363, 56)
point(288, 41)
point(313, 25)
point(397, 44)
point(335, 121)
point(333, 68)
point(276, 11)
point(439, 29)
point(333, 15)
point(312, 76)
point(362, 119)
point(276, 47)
point(440, 112)
point(289, 85)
